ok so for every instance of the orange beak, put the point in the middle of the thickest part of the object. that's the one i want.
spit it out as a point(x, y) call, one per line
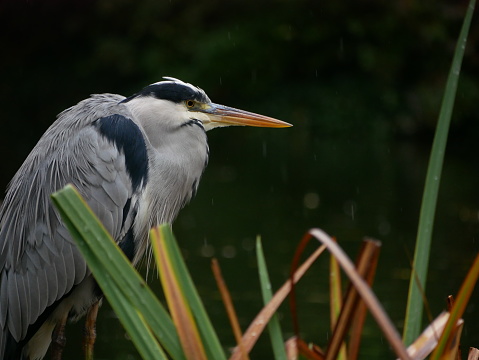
point(220, 115)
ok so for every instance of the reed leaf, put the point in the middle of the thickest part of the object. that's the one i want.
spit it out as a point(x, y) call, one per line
point(213, 348)
point(414, 308)
point(116, 276)
point(274, 328)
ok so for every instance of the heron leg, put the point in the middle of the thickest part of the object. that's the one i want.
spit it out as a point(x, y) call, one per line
point(89, 332)
point(59, 339)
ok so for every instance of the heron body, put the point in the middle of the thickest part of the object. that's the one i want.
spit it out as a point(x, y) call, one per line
point(137, 161)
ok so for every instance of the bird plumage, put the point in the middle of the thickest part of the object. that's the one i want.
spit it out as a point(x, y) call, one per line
point(137, 161)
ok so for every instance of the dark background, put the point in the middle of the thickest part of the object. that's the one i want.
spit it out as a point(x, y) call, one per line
point(361, 82)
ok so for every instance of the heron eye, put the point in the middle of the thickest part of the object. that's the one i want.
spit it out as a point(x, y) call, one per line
point(190, 103)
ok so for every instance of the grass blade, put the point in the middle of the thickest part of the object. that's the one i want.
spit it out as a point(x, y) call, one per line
point(365, 268)
point(335, 291)
point(109, 265)
point(257, 326)
point(372, 247)
point(427, 341)
point(364, 290)
point(274, 327)
point(230, 310)
point(177, 303)
point(131, 320)
point(460, 304)
point(414, 308)
point(452, 351)
point(336, 300)
point(308, 351)
point(209, 337)
point(134, 323)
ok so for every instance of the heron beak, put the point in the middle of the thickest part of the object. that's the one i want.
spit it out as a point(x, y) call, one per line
point(220, 115)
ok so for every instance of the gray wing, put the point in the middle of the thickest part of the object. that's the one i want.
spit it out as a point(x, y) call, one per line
point(106, 159)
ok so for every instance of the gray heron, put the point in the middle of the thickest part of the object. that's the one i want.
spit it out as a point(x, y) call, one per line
point(136, 160)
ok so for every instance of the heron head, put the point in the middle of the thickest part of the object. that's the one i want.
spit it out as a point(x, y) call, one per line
point(182, 104)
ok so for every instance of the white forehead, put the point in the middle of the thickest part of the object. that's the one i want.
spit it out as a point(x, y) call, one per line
point(170, 80)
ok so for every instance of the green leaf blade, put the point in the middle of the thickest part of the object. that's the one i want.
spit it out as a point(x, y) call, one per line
point(274, 327)
point(213, 347)
point(414, 309)
point(95, 243)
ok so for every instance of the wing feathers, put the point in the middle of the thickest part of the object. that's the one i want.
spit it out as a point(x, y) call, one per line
point(61, 272)
point(39, 262)
point(69, 266)
point(52, 282)
point(43, 290)
point(14, 321)
point(80, 267)
point(35, 305)
point(22, 292)
point(3, 299)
